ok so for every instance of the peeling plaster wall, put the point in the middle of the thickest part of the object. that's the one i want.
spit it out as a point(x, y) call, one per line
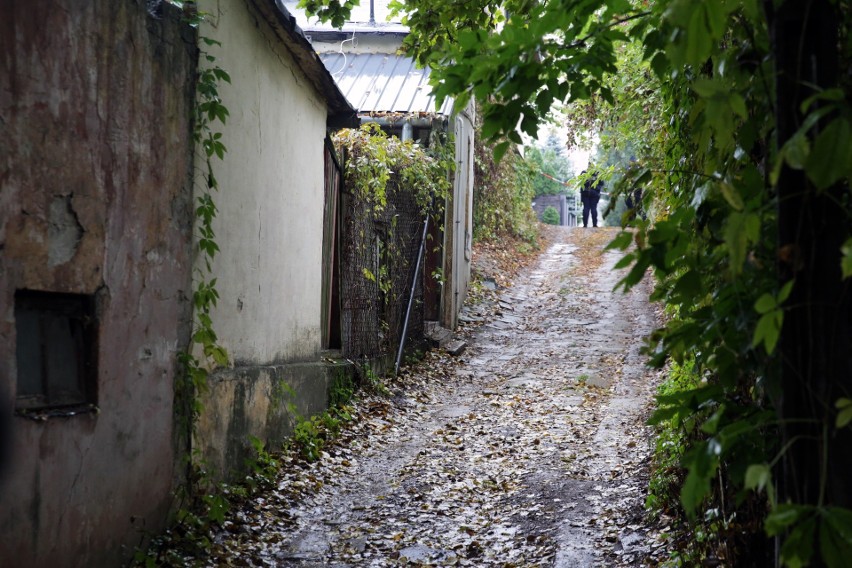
point(270, 230)
point(95, 198)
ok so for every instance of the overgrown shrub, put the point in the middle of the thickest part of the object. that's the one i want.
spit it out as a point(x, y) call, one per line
point(503, 193)
point(550, 215)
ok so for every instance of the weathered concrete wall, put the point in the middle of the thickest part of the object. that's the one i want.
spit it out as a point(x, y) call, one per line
point(95, 198)
point(270, 222)
point(264, 402)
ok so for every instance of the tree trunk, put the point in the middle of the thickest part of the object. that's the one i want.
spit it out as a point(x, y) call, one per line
point(816, 339)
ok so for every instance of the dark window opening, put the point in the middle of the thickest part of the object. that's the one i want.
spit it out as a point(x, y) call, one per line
point(56, 350)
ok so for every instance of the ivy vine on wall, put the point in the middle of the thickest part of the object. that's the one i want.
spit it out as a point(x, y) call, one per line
point(372, 158)
point(204, 351)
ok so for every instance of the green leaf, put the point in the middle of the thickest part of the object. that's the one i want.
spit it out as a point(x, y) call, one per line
point(621, 241)
point(784, 516)
point(798, 547)
point(832, 95)
point(768, 330)
point(707, 88)
point(468, 39)
point(840, 521)
point(625, 261)
point(500, 150)
point(796, 150)
point(738, 105)
point(694, 490)
point(660, 65)
point(846, 259)
point(741, 230)
point(785, 291)
point(765, 303)
point(732, 196)
point(834, 548)
point(758, 476)
point(844, 414)
point(716, 15)
point(698, 40)
point(711, 425)
point(831, 158)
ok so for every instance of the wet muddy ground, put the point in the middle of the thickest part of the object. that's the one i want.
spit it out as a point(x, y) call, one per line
point(529, 449)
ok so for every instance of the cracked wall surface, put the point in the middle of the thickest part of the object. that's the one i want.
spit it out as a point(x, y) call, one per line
point(95, 198)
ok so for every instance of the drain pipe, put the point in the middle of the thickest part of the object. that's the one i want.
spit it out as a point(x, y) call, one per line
point(411, 296)
point(407, 131)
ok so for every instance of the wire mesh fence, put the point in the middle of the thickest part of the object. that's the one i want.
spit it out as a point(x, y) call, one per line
point(379, 253)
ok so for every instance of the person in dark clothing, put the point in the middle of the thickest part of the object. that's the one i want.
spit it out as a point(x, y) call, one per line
point(633, 201)
point(590, 195)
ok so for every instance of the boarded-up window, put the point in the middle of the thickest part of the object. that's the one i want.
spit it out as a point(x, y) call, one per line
point(56, 351)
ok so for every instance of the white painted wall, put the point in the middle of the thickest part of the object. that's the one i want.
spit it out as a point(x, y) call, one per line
point(270, 220)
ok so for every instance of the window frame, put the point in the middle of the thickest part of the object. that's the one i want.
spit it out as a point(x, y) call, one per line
point(79, 312)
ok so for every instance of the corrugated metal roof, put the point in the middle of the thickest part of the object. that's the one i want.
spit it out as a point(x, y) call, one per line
point(379, 82)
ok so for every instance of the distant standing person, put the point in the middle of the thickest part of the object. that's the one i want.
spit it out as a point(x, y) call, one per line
point(590, 195)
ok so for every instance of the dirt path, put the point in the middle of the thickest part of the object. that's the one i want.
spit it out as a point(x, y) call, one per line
point(529, 450)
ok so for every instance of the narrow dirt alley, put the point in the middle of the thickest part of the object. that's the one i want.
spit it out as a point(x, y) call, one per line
point(528, 450)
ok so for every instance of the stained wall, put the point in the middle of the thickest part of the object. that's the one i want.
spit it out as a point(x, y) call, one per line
point(95, 199)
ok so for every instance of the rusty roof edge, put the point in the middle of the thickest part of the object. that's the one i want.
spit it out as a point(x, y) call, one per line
point(283, 23)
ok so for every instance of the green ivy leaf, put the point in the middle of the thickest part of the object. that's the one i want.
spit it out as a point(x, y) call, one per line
point(846, 259)
point(758, 476)
point(768, 330)
point(765, 303)
point(838, 521)
point(831, 95)
point(798, 547)
point(783, 517)
point(694, 490)
point(831, 158)
point(844, 414)
point(796, 150)
point(741, 230)
point(785, 291)
point(834, 550)
point(732, 196)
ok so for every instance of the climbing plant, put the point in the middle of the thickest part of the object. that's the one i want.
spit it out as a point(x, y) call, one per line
point(373, 157)
point(503, 191)
point(201, 502)
point(373, 164)
point(204, 350)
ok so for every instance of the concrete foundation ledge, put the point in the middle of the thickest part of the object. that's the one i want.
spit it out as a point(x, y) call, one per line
point(264, 402)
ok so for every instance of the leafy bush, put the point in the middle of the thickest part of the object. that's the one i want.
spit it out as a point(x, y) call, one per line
point(550, 215)
point(502, 195)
